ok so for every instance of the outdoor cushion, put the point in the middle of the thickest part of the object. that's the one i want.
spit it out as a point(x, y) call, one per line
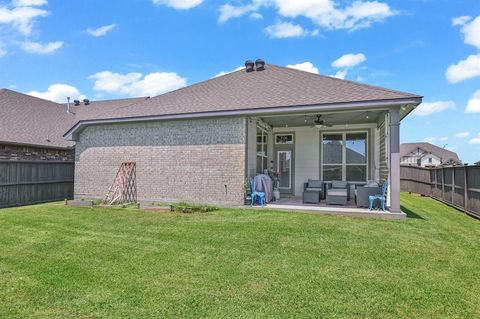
point(314, 184)
point(371, 184)
point(339, 184)
point(313, 189)
point(337, 192)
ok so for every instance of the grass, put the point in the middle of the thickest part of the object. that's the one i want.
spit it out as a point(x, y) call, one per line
point(83, 262)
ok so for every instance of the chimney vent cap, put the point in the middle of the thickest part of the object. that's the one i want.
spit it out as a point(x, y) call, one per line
point(249, 66)
point(260, 64)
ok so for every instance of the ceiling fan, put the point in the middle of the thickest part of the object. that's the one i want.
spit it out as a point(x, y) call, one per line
point(320, 123)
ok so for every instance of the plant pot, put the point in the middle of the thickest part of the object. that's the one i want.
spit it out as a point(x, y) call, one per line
point(276, 195)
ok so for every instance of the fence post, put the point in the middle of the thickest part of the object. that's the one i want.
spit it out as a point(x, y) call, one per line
point(443, 184)
point(453, 185)
point(465, 190)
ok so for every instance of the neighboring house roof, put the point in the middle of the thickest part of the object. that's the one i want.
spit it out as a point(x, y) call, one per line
point(444, 154)
point(32, 121)
point(477, 163)
point(28, 120)
point(274, 87)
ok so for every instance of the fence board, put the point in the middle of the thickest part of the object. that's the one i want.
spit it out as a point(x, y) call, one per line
point(457, 186)
point(28, 182)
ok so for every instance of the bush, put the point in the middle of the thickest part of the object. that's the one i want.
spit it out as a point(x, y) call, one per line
point(187, 208)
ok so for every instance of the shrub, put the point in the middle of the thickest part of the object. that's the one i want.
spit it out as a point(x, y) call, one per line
point(187, 208)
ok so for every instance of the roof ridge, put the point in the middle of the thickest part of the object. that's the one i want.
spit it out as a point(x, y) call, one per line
point(349, 81)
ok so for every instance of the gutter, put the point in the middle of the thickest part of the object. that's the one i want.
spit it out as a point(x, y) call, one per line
point(72, 133)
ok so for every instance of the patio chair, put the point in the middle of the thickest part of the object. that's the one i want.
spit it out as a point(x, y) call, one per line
point(254, 194)
point(313, 191)
point(363, 193)
point(337, 193)
point(381, 197)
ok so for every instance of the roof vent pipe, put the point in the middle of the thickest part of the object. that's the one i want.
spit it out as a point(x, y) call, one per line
point(76, 102)
point(68, 105)
point(249, 66)
point(86, 101)
point(260, 65)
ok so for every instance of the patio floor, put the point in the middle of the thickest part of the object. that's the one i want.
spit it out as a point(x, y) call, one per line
point(296, 204)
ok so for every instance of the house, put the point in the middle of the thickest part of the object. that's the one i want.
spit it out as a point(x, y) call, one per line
point(201, 142)
point(32, 128)
point(427, 155)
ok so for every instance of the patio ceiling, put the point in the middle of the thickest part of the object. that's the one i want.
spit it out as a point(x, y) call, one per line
point(296, 120)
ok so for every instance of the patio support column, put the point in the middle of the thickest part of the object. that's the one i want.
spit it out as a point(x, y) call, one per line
point(395, 160)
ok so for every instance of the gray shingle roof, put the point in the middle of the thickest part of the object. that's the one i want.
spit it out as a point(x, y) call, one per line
point(445, 155)
point(29, 120)
point(33, 121)
point(274, 87)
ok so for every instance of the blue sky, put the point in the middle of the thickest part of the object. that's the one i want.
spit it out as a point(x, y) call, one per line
point(112, 49)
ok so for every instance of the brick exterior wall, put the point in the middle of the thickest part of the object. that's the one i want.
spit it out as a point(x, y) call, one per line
point(30, 153)
point(199, 161)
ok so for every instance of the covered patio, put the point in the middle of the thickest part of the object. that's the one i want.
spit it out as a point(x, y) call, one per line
point(358, 146)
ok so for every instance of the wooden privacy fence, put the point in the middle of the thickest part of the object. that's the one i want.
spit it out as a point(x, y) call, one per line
point(24, 183)
point(458, 186)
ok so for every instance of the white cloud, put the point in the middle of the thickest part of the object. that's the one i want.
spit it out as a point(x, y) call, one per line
point(101, 31)
point(29, 3)
point(327, 14)
point(471, 31)
point(134, 84)
point(341, 74)
point(462, 134)
point(228, 72)
point(305, 66)
point(21, 18)
point(426, 108)
point(3, 53)
point(475, 140)
point(443, 138)
point(227, 11)
point(430, 140)
point(39, 48)
point(464, 70)
point(179, 4)
point(282, 30)
point(473, 105)
point(59, 93)
point(256, 16)
point(461, 20)
point(349, 60)
point(470, 67)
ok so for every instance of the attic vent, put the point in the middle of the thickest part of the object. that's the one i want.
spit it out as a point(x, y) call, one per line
point(76, 102)
point(260, 65)
point(249, 66)
point(86, 101)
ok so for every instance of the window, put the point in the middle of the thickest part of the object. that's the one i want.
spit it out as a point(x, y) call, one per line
point(430, 160)
point(284, 139)
point(344, 156)
point(262, 156)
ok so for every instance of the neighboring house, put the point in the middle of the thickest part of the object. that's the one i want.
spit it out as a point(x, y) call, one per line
point(33, 128)
point(477, 163)
point(201, 142)
point(427, 155)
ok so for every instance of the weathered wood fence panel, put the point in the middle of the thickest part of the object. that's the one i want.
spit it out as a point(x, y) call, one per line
point(458, 186)
point(27, 182)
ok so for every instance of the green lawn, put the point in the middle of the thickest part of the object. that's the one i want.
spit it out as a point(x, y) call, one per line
point(64, 262)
